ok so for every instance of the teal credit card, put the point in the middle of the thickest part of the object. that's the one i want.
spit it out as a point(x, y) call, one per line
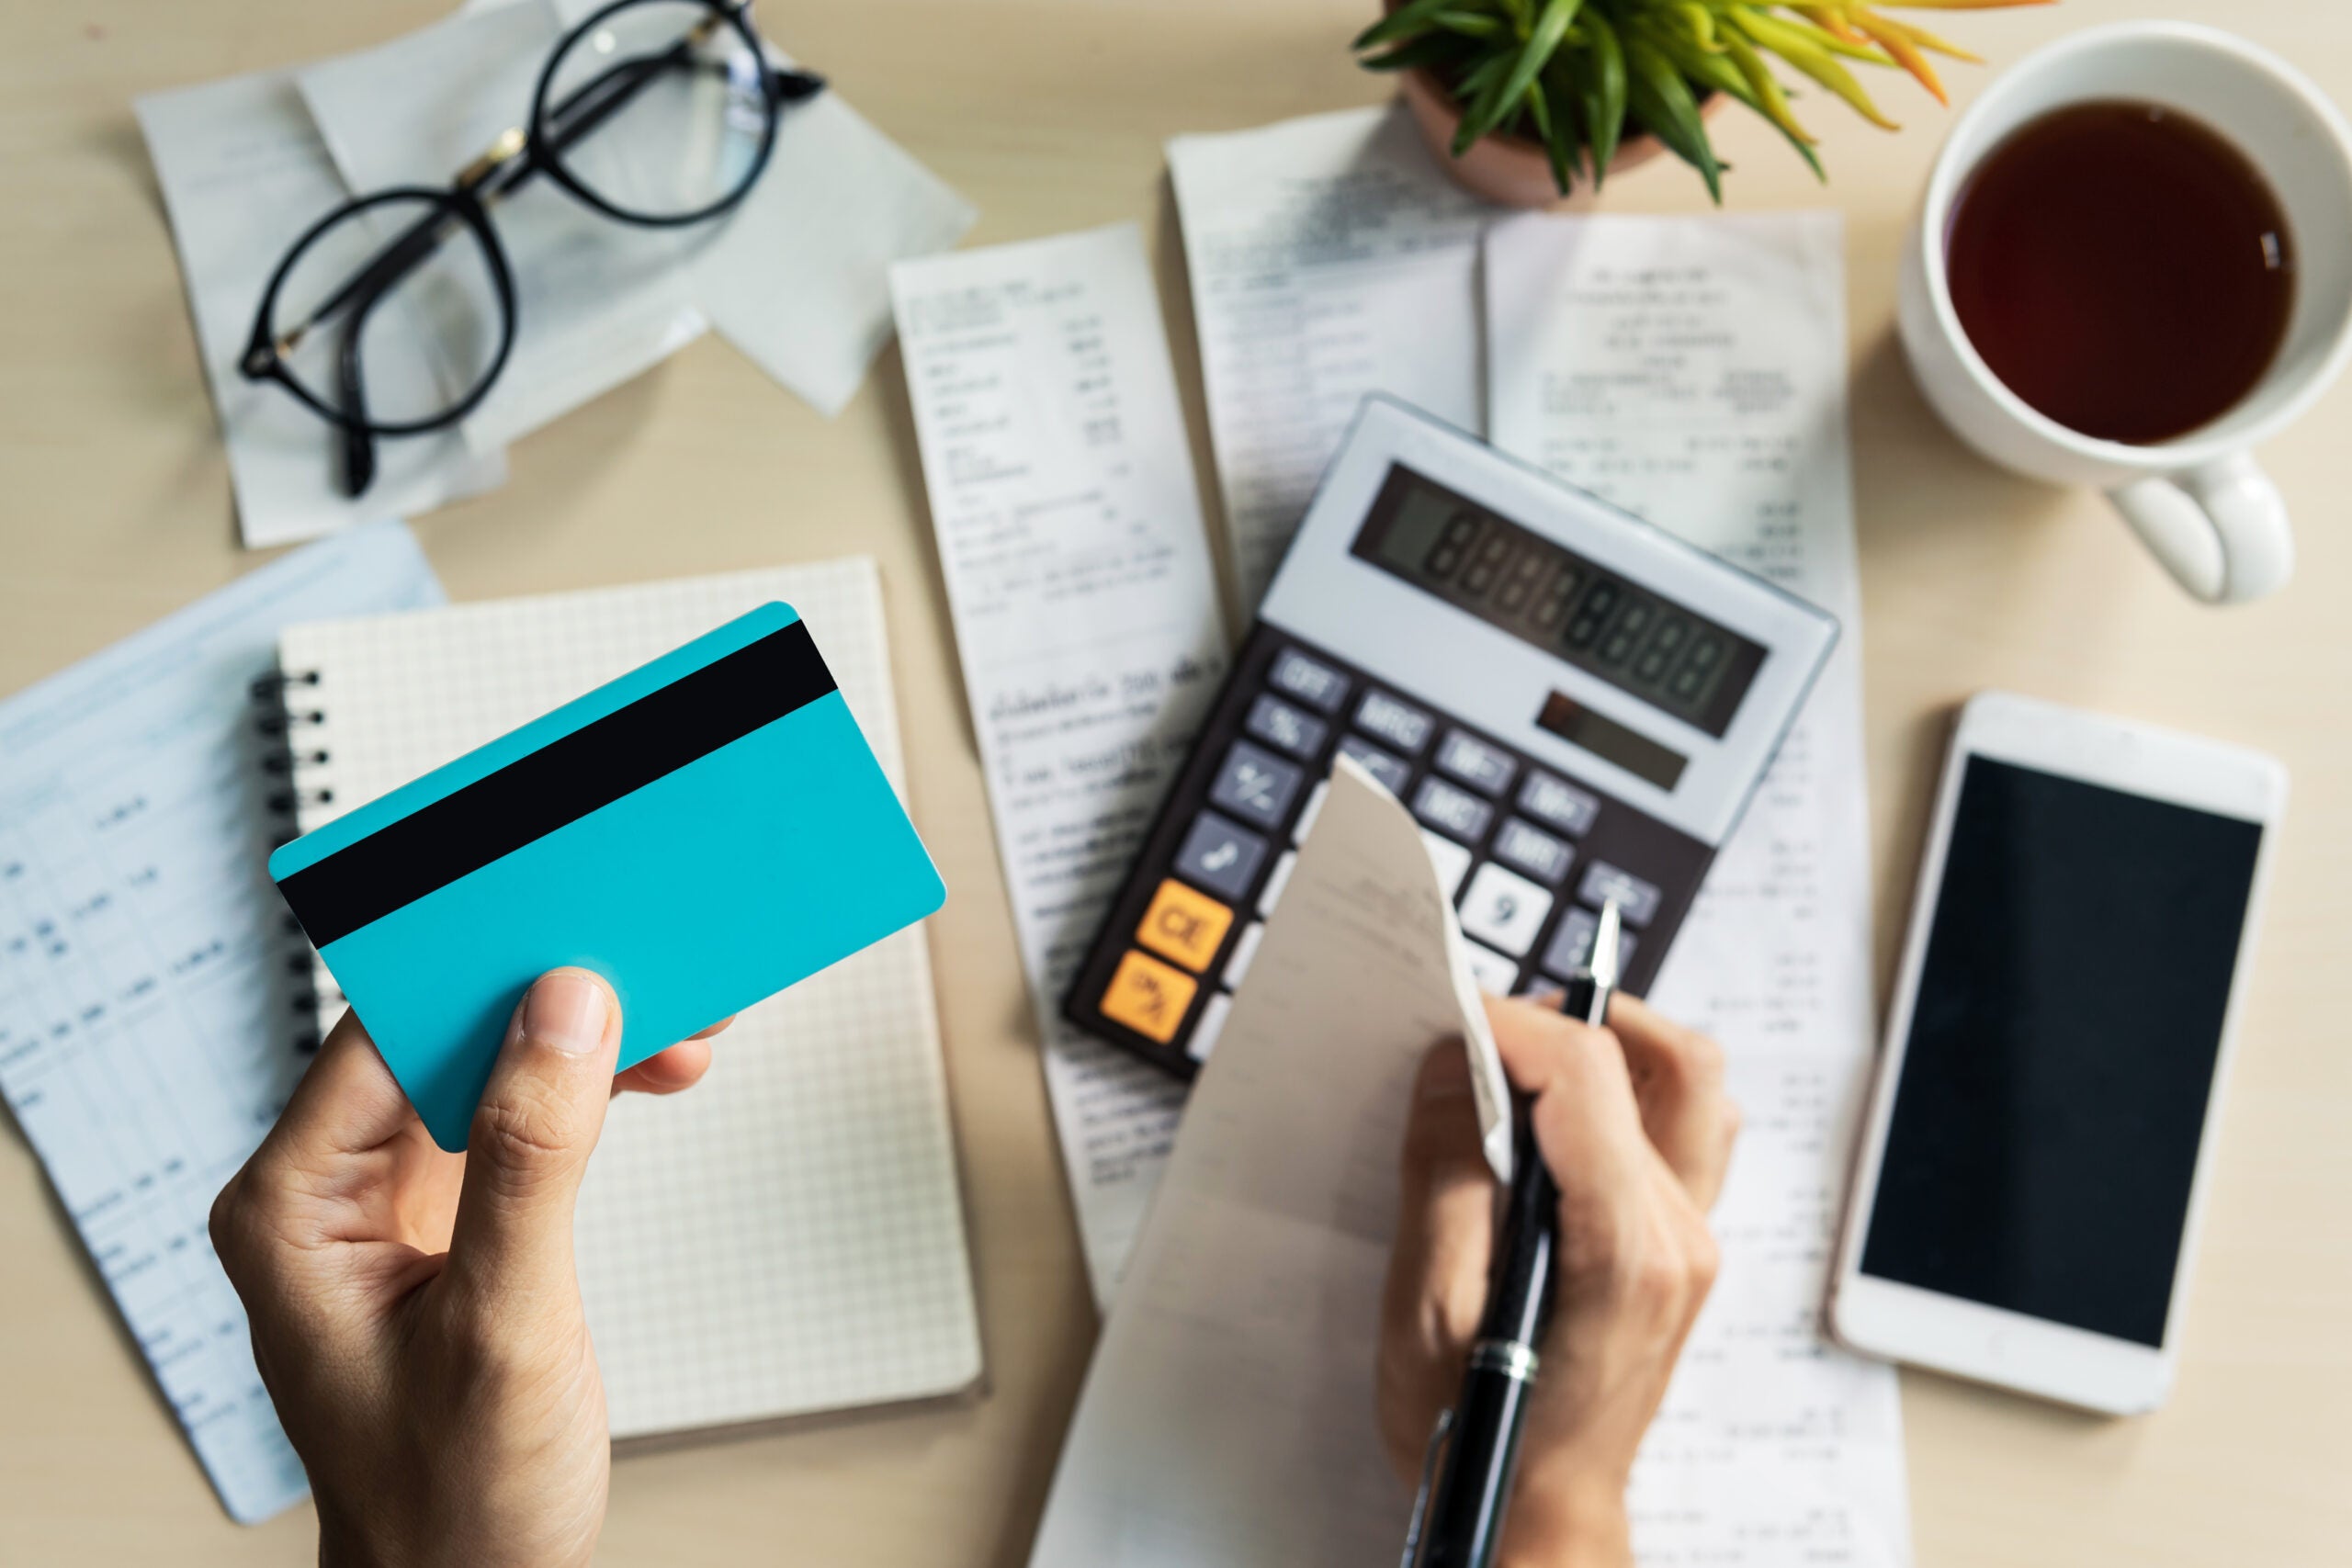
point(703, 832)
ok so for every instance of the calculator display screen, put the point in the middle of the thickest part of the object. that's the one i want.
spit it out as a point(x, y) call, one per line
point(1638, 641)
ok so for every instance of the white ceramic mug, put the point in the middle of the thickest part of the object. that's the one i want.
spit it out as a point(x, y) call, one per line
point(2211, 517)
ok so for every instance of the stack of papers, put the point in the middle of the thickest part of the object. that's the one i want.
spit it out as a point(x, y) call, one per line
point(797, 276)
point(1694, 371)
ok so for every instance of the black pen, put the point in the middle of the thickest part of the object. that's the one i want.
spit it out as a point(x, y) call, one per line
point(1458, 1520)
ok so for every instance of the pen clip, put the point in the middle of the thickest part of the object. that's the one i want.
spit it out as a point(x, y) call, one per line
point(1421, 1497)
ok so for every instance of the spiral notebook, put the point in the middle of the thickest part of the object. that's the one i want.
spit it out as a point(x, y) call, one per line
point(788, 1238)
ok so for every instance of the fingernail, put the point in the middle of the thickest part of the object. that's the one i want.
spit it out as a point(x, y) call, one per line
point(567, 1011)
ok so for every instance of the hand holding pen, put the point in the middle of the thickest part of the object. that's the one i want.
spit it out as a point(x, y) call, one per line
point(1634, 1127)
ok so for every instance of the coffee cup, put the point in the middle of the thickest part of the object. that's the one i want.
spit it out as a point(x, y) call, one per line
point(2197, 500)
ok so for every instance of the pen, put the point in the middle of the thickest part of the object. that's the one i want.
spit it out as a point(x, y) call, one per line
point(1458, 1519)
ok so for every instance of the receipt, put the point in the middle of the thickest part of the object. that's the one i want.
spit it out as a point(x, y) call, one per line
point(1694, 371)
point(1078, 578)
point(1330, 257)
point(243, 174)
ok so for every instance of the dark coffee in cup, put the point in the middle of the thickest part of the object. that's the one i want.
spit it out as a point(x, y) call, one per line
point(2122, 268)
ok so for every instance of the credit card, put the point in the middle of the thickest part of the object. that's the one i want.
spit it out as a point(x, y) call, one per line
point(703, 832)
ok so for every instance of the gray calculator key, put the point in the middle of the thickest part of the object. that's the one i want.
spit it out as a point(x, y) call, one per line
point(1569, 953)
point(1558, 804)
point(1277, 723)
point(1255, 785)
point(1310, 681)
point(1391, 773)
point(1637, 899)
point(1456, 813)
point(1221, 856)
point(1486, 769)
point(1399, 723)
point(1533, 851)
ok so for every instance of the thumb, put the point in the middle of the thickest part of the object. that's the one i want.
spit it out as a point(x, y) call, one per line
point(538, 1119)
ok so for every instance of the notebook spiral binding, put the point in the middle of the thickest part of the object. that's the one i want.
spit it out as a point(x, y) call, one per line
point(286, 723)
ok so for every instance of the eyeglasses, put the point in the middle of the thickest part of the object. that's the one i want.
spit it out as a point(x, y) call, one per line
point(692, 105)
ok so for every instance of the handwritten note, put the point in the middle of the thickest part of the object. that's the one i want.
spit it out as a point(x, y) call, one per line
point(1229, 1418)
point(1329, 257)
point(1078, 573)
point(1692, 370)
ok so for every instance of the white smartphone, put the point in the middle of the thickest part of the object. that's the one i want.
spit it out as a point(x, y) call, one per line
point(2026, 1202)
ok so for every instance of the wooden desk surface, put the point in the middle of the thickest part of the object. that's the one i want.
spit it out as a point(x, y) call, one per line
point(1051, 115)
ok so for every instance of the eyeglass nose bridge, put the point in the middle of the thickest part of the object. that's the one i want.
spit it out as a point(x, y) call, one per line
point(511, 144)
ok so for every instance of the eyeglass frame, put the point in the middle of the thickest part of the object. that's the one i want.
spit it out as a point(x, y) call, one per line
point(516, 154)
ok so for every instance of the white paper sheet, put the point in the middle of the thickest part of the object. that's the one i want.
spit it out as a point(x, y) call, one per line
point(795, 276)
point(1329, 257)
point(1078, 573)
point(148, 1017)
point(244, 174)
point(1228, 1418)
point(1694, 371)
point(798, 277)
point(597, 303)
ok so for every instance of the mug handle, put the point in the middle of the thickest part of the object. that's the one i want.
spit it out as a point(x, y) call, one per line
point(2221, 528)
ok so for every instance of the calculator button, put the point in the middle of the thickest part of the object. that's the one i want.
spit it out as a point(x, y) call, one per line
point(1486, 769)
point(1569, 953)
point(1148, 996)
point(1278, 723)
point(1442, 805)
point(1390, 772)
point(1212, 1024)
point(1452, 861)
point(1637, 899)
point(1183, 925)
point(1220, 856)
point(1276, 881)
point(1396, 721)
point(1558, 804)
point(1236, 968)
point(1493, 973)
point(1255, 785)
point(1533, 851)
point(1504, 910)
point(1308, 812)
point(1310, 681)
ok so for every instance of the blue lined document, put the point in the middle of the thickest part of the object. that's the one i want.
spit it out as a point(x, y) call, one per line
point(149, 1008)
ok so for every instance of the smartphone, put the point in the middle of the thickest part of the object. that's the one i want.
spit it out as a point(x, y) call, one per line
point(2026, 1198)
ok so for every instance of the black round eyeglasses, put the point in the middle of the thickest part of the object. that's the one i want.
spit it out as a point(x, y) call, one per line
point(690, 105)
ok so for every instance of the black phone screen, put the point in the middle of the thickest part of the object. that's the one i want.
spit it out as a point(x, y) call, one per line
point(2045, 1127)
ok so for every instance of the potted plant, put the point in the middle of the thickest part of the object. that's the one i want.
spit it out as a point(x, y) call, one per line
point(1520, 96)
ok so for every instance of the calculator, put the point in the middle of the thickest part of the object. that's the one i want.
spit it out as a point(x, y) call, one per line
point(1574, 705)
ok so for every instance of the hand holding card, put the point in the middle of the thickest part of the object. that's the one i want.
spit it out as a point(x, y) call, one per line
point(703, 832)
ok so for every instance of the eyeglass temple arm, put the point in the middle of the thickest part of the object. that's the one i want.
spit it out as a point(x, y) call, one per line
point(394, 262)
point(359, 446)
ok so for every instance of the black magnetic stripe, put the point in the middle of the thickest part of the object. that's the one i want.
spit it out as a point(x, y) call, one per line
point(559, 783)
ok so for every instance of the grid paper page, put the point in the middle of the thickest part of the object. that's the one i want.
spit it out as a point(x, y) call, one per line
point(788, 1238)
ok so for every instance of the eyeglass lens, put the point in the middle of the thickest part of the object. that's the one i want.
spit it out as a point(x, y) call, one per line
point(407, 317)
point(659, 111)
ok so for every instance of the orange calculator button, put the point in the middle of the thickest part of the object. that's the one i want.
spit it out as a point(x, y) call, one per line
point(1148, 996)
point(1183, 925)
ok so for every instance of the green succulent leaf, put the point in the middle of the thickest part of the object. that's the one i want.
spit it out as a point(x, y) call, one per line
point(1404, 21)
point(1555, 120)
point(1601, 94)
point(1543, 42)
point(1660, 99)
point(1472, 24)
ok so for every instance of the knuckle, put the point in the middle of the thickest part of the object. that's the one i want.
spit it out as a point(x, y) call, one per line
point(520, 1131)
point(1705, 1261)
point(1657, 1282)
